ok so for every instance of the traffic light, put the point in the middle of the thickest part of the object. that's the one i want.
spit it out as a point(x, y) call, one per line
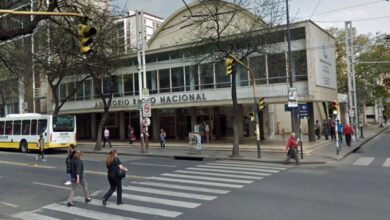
point(229, 63)
point(260, 103)
point(335, 107)
point(252, 116)
point(86, 38)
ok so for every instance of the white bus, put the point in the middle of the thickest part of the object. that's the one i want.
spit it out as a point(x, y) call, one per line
point(21, 131)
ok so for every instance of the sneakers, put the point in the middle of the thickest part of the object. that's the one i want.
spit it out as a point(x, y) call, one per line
point(44, 160)
point(67, 183)
point(70, 204)
point(87, 200)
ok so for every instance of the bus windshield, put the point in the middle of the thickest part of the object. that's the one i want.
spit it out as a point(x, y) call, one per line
point(63, 123)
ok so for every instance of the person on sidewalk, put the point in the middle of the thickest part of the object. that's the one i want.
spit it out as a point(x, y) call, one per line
point(348, 132)
point(207, 132)
point(332, 128)
point(41, 147)
point(130, 132)
point(340, 131)
point(106, 137)
point(325, 129)
point(115, 173)
point(318, 129)
point(68, 162)
point(163, 135)
point(78, 178)
point(292, 149)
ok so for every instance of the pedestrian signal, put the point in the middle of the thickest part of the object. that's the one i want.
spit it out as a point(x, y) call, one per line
point(335, 106)
point(252, 116)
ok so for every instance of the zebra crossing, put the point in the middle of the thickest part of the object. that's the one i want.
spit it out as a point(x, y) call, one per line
point(369, 161)
point(167, 195)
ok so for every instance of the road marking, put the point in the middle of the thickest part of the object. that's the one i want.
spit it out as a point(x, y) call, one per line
point(386, 163)
point(53, 186)
point(207, 178)
point(95, 193)
point(363, 161)
point(85, 212)
point(170, 193)
point(249, 166)
point(26, 164)
point(250, 163)
point(191, 188)
point(239, 168)
point(228, 171)
point(105, 174)
point(9, 204)
point(33, 216)
point(220, 174)
point(131, 208)
point(205, 183)
point(154, 164)
point(168, 202)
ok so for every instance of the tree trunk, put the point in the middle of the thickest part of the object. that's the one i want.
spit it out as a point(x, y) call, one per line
point(236, 141)
point(98, 145)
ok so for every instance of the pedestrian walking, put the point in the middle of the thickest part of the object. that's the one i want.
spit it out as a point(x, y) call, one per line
point(106, 137)
point(41, 148)
point(207, 132)
point(340, 131)
point(78, 179)
point(292, 149)
point(332, 128)
point(163, 135)
point(68, 162)
point(115, 173)
point(325, 129)
point(130, 132)
point(202, 133)
point(318, 129)
point(348, 132)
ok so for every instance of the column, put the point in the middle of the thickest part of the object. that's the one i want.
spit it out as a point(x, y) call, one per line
point(93, 126)
point(240, 122)
point(217, 123)
point(310, 122)
point(193, 118)
point(156, 124)
point(122, 126)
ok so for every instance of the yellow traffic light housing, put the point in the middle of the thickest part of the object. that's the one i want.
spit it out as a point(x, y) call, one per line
point(86, 38)
point(229, 62)
point(260, 103)
point(335, 105)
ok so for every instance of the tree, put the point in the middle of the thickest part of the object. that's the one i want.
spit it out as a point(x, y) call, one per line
point(240, 28)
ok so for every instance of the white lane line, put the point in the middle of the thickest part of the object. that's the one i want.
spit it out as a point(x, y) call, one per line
point(363, 161)
point(85, 212)
point(204, 183)
point(33, 216)
point(153, 164)
point(197, 177)
point(95, 193)
point(168, 202)
point(386, 163)
point(49, 185)
point(9, 204)
point(191, 188)
point(132, 208)
point(249, 166)
point(220, 174)
point(228, 171)
point(239, 168)
point(250, 163)
point(170, 193)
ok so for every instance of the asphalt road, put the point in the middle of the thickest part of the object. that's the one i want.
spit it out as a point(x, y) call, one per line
point(355, 188)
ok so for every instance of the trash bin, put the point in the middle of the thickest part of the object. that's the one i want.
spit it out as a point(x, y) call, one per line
point(194, 140)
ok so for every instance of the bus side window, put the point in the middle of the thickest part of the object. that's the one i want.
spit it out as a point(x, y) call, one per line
point(34, 127)
point(26, 127)
point(17, 127)
point(8, 127)
point(1, 127)
point(42, 124)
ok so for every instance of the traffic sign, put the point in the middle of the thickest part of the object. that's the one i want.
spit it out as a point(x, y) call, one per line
point(146, 122)
point(147, 109)
point(145, 93)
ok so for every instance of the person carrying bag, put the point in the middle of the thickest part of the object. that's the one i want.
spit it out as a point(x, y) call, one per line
point(78, 179)
point(115, 173)
point(292, 149)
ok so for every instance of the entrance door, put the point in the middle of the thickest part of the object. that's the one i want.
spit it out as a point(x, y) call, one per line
point(168, 124)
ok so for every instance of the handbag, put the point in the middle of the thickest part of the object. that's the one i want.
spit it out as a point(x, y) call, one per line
point(132, 137)
point(120, 173)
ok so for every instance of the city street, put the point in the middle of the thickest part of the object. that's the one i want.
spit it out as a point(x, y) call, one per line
point(355, 188)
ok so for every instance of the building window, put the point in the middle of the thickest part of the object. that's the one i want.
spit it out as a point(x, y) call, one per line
point(206, 76)
point(128, 84)
point(241, 76)
point(192, 78)
point(221, 80)
point(165, 85)
point(257, 64)
point(63, 94)
point(298, 65)
point(80, 92)
point(177, 79)
point(151, 81)
point(87, 90)
point(117, 86)
point(162, 57)
point(277, 68)
point(98, 88)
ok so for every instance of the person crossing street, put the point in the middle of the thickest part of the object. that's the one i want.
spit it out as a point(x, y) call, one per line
point(292, 149)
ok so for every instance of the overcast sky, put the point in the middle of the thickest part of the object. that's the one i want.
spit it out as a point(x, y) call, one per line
point(366, 15)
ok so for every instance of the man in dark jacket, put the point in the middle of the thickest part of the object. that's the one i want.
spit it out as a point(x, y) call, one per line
point(78, 178)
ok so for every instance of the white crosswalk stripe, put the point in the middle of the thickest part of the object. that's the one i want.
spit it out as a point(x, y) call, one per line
point(363, 161)
point(169, 193)
point(386, 163)
point(248, 166)
point(204, 183)
point(168, 202)
point(206, 178)
point(250, 163)
point(239, 168)
point(33, 216)
point(219, 174)
point(191, 188)
point(229, 171)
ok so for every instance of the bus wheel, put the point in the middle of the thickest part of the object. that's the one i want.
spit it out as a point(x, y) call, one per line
point(23, 147)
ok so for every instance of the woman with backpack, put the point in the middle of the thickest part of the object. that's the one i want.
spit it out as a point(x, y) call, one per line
point(68, 162)
point(115, 173)
point(78, 178)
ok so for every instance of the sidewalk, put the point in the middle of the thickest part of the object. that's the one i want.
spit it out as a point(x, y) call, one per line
point(272, 150)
